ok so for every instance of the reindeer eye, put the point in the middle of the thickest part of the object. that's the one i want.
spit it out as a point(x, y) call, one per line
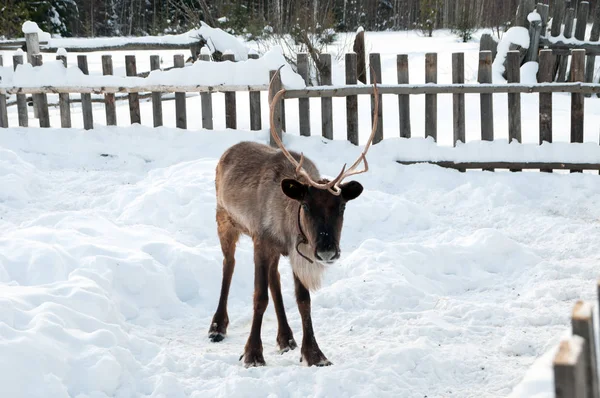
point(304, 206)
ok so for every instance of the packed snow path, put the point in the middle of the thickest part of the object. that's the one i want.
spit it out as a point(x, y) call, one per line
point(450, 284)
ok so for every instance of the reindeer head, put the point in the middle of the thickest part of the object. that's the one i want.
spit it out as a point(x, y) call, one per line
point(322, 203)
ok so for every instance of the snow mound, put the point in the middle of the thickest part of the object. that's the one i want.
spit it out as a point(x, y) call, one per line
point(17, 177)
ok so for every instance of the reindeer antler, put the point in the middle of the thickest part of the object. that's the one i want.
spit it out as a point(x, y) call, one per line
point(334, 185)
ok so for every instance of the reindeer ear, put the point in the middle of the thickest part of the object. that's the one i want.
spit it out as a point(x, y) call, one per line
point(293, 189)
point(351, 190)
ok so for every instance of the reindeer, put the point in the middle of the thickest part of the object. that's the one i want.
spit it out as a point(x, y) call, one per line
point(279, 199)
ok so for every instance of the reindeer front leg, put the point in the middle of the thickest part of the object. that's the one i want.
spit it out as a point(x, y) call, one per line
point(311, 353)
point(263, 257)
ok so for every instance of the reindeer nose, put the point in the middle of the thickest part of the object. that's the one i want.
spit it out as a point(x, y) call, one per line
point(327, 255)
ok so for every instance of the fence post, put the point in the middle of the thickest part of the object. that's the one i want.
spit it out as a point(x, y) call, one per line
point(351, 100)
point(109, 98)
point(487, 104)
point(86, 99)
point(41, 99)
point(206, 100)
point(360, 50)
point(134, 98)
point(594, 37)
point(32, 43)
point(569, 369)
point(583, 9)
point(3, 108)
point(535, 31)
point(255, 111)
point(403, 99)
point(577, 100)
point(567, 32)
point(326, 102)
point(304, 103)
point(582, 324)
point(544, 11)
point(513, 75)
point(558, 14)
point(547, 62)
point(458, 100)
point(157, 114)
point(230, 103)
point(21, 98)
point(375, 63)
point(64, 101)
point(275, 87)
point(431, 99)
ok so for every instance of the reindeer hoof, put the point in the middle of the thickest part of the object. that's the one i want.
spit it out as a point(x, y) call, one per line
point(216, 337)
point(253, 359)
point(287, 346)
point(315, 359)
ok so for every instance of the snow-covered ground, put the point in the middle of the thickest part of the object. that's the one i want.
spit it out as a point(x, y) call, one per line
point(450, 284)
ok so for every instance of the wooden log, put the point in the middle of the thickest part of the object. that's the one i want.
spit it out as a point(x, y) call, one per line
point(577, 100)
point(21, 98)
point(303, 103)
point(109, 98)
point(275, 87)
point(206, 101)
point(535, 29)
point(487, 43)
point(431, 99)
point(157, 111)
point(375, 63)
point(567, 32)
point(558, 15)
point(351, 100)
point(569, 369)
point(513, 73)
point(544, 11)
point(361, 57)
point(134, 100)
point(486, 101)
point(403, 99)
point(3, 108)
point(582, 324)
point(32, 43)
point(582, 16)
point(86, 98)
point(230, 101)
point(505, 165)
point(255, 109)
point(41, 100)
point(64, 101)
point(545, 74)
point(458, 100)
point(326, 103)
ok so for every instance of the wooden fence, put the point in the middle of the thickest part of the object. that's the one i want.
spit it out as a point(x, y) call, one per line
point(575, 363)
point(402, 89)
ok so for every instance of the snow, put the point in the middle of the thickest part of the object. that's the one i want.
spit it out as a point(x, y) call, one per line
point(534, 16)
point(516, 35)
point(61, 51)
point(450, 284)
point(32, 27)
point(249, 72)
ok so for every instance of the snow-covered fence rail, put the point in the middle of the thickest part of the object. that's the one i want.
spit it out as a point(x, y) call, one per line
point(75, 83)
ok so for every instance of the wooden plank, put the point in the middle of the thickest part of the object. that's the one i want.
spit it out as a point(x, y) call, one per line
point(544, 11)
point(32, 42)
point(352, 100)
point(431, 99)
point(594, 37)
point(505, 165)
point(304, 103)
point(64, 101)
point(326, 102)
point(535, 30)
point(86, 98)
point(513, 75)
point(180, 101)
point(525, 7)
point(134, 100)
point(157, 111)
point(582, 324)
point(375, 63)
point(3, 108)
point(275, 87)
point(458, 100)
point(360, 50)
point(486, 100)
point(567, 32)
point(577, 100)
point(403, 99)
point(206, 102)
point(230, 102)
point(558, 15)
point(569, 369)
point(21, 98)
point(487, 43)
point(582, 16)
point(120, 47)
point(255, 109)
point(545, 74)
point(109, 98)
point(41, 100)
